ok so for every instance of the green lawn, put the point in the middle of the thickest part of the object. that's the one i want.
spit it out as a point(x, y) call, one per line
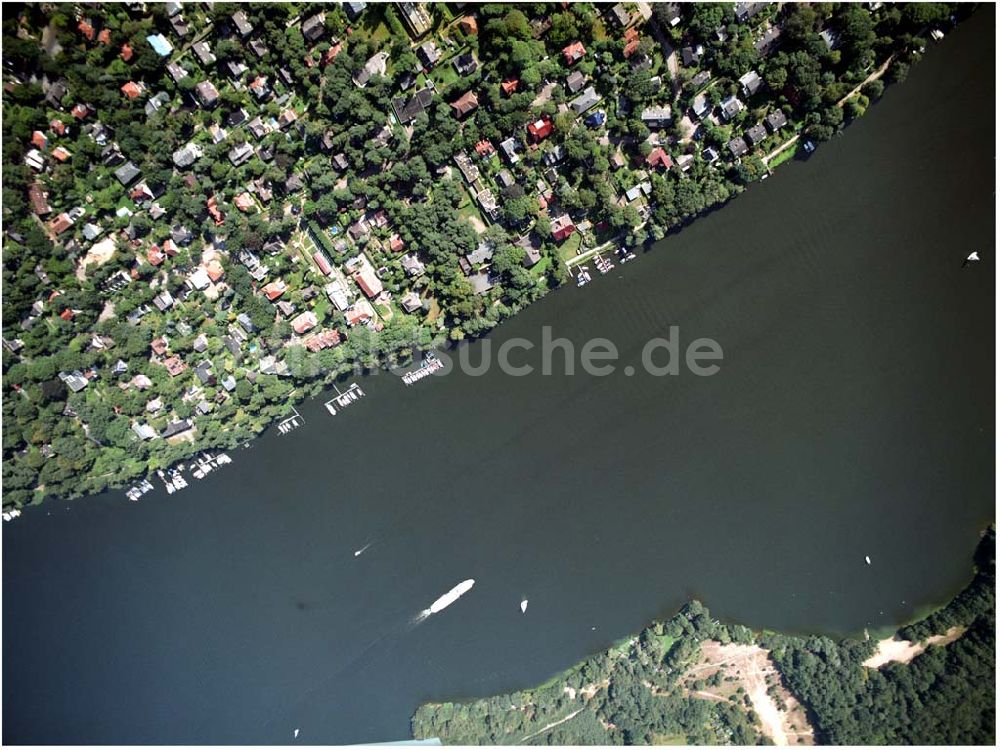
point(571, 247)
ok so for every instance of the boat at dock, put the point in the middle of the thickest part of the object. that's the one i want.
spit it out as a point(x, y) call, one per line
point(431, 364)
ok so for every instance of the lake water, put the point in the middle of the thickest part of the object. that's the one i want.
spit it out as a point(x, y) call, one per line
point(853, 415)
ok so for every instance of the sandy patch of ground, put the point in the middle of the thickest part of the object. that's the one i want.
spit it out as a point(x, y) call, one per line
point(100, 252)
point(891, 649)
point(477, 224)
point(783, 719)
point(107, 313)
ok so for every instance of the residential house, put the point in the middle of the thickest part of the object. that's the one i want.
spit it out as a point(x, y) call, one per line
point(465, 64)
point(242, 23)
point(656, 116)
point(750, 83)
point(776, 121)
point(207, 94)
point(573, 53)
point(314, 27)
point(127, 173)
point(428, 54)
point(407, 109)
point(465, 104)
point(730, 107)
point(585, 101)
point(737, 147)
point(756, 134)
point(561, 227)
point(204, 53)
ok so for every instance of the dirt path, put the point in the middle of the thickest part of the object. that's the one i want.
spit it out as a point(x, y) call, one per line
point(893, 650)
point(547, 727)
point(878, 73)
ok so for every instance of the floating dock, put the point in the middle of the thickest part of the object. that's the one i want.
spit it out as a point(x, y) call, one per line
point(431, 365)
point(344, 399)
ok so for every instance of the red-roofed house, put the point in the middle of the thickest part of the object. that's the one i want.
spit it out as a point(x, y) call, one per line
point(275, 289)
point(510, 85)
point(367, 281)
point(574, 53)
point(243, 202)
point(630, 48)
point(58, 127)
point(154, 255)
point(469, 25)
point(105, 36)
point(39, 201)
point(131, 90)
point(396, 243)
point(304, 322)
point(87, 30)
point(322, 263)
point(541, 129)
point(213, 209)
point(126, 52)
point(175, 365)
point(659, 158)
point(214, 270)
point(170, 248)
point(61, 223)
point(322, 340)
point(66, 314)
point(159, 346)
point(485, 148)
point(39, 140)
point(331, 54)
point(562, 227)
point(80, 111)
point(61, 154)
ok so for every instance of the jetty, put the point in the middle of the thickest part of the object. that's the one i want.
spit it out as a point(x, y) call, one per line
point(343, 399)
point(431, 364)
point(288, 424)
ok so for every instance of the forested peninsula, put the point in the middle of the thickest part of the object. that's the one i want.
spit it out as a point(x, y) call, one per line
point(694, 680)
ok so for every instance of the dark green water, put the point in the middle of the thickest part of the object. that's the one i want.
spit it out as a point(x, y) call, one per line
point(853, 416)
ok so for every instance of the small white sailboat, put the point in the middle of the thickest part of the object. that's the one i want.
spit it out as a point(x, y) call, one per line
point(973, 257)
point(868, 560)
point(295, 734)
point(524, 606)
point(357, 553)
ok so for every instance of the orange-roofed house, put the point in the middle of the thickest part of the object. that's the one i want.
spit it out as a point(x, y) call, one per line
point(331, 54)
point(304, 322)
point(38, 139)
point(275, 289)
point(396, 243)
point(574, 53)
point(170, 248)
point(510, 85)
point(367, 281)
point(66, 314)
point(541, 129)
point(659, 158)
point(213, 209)
point(126, 52)
point(80, 111)
point(630, 48)
point(87, 30)
point(58, 127)
point(243, 202)
point(61, 153)
point(175, 365)
point(105, 36)
point(155, 256)
point(469, 25)
point(485, 148)
point(159, 346)
point(61, 223)
point(131, 90)
point(214, 270)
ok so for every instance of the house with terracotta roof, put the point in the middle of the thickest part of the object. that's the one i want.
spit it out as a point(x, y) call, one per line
point(175, 365)
point(510, 86)
point(364, 276)
point(126, 53)
point(465, 104)
point(275, 289)
point(132, 90)
point(105, 36)
point(322, 263)
point(159, 346)
point(86, 29)
point(244, 202)
point(213, 210)
point(659, 158)
point(304, 322)
point(214, 270)
point(58, 127)
point(562, 227)
point(155, 256)
point(39, 200)
point(468, 25)
point(39, 140)
point(61, 154)
point(573, 53)
point(540, 129)
point(485, 149)
point(61, 223)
